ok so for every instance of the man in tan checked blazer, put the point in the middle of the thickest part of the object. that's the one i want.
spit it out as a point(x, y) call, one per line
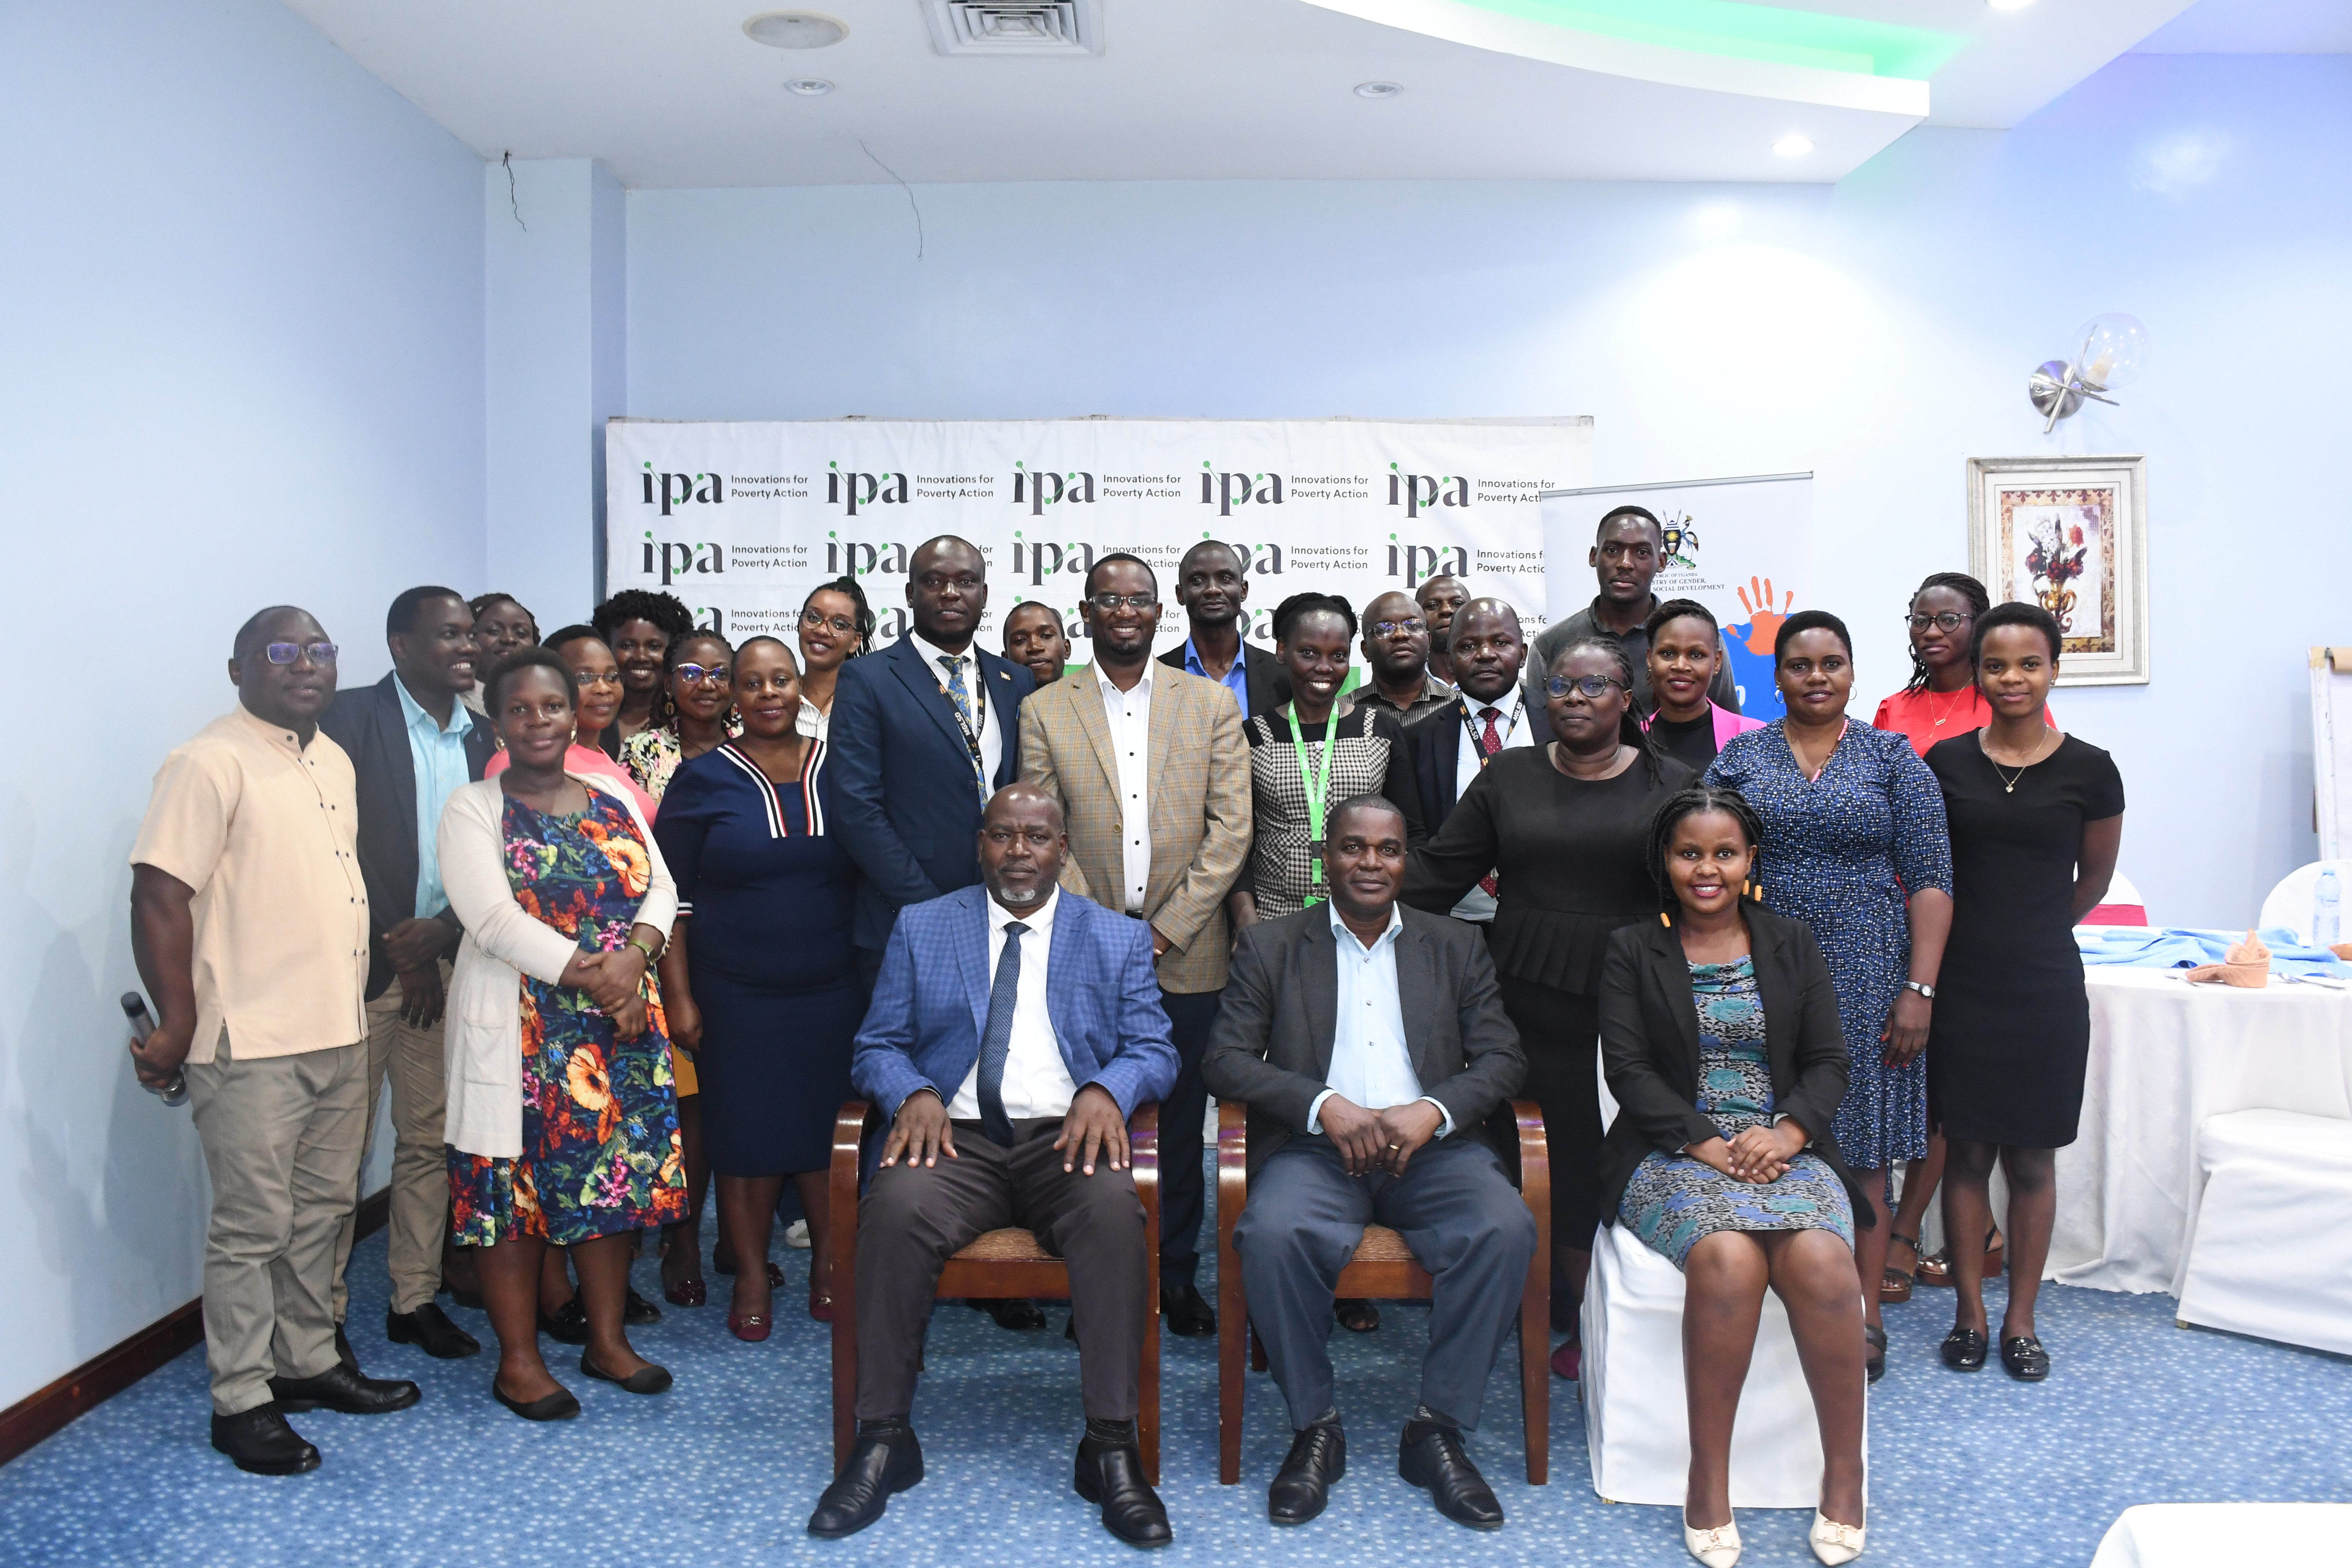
point(1154, 775)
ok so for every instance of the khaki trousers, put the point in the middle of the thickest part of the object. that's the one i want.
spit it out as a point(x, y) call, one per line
point(282, 1138)
point(420, 1156)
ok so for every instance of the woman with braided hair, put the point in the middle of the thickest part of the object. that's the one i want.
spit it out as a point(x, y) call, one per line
point(1565, 827)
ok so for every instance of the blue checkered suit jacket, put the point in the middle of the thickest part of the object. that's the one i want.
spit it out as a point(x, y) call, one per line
point(930, 1002)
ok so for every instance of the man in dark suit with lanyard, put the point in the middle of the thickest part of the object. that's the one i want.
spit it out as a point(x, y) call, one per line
point(922, 733)
point(1450, 744)
point(1212, 585)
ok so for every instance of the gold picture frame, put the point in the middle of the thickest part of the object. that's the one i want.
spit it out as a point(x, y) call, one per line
point(2071, 535)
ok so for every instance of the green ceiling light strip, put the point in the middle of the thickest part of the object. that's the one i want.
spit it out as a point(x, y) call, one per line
point(1715, 45)
point(1750, 32)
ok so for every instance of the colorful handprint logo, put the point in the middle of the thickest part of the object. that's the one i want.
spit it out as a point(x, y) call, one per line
point(1750, 648)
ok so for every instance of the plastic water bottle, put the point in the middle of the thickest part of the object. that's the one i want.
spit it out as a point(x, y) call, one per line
point(2328, 910)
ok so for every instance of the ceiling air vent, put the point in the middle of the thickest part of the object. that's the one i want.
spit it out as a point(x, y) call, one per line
point(1015, 27)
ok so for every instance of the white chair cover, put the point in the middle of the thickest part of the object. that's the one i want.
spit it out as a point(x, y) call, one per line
point(2270, 1253)
point(2209, 1534)
point(1636, 1425)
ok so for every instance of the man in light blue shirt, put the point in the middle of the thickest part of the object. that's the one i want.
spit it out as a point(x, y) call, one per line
point(1369, 1043)
point(438, 752)
point(1212, 585)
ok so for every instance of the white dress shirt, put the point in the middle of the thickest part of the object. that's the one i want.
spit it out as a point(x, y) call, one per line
point(1371, 1064)
point(1511, 722)
point(991, 741)
point(1128, 714)
point(1036, 1079)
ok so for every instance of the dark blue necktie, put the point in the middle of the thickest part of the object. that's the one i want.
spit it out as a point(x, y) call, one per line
point(997, 1044)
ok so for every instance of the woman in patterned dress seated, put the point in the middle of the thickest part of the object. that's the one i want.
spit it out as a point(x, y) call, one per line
point(1720, 1038)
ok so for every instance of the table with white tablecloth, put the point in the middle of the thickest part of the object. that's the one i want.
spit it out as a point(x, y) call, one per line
point(2166, 1055)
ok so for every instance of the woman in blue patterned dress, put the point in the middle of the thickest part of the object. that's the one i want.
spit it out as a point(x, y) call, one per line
point(1721, 1039)
point(562, 1119)
point(1854, 846)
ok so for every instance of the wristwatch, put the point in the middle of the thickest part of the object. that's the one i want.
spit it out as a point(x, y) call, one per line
point(1927, 991)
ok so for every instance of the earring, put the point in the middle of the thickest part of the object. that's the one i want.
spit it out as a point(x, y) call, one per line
point(1665, 919)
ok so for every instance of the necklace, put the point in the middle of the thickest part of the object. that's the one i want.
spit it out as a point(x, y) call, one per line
point(1955, 708)
point(2008, 782)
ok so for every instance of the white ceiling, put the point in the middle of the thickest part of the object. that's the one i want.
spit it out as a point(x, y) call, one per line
point(2257, 27)
point(671, 93)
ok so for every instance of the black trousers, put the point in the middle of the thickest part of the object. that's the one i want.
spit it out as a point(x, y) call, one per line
point(1182, 1195)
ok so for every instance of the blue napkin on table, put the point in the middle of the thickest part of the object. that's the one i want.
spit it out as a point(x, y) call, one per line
point(2173, 947)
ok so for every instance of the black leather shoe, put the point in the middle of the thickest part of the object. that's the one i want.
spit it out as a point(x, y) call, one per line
point(1319, 1455)
point(561, 1406)
point(343, 1351)
point(339, 1388)
point(1186, 1313)
point(1110, 1473)
point(2023, 1357)
point(1873, 1352)
point(637, 1311)
point(260, 1442)
point(647, 1378)
point(567, 1325)
point(883, 1461)
point(431, 1329)
point(1430, 1458)
point(1964, 1350)
point(1017, 1312)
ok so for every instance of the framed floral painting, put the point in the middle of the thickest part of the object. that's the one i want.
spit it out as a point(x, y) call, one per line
point(2069, 534)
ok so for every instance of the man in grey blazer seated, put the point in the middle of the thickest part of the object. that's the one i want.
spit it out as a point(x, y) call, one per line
point(1369, 1043)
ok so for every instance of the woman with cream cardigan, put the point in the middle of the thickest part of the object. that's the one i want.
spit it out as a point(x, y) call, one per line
point(562, 1121)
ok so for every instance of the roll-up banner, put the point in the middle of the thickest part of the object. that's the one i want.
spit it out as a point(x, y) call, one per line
point(1742, 547)
point(742, 520)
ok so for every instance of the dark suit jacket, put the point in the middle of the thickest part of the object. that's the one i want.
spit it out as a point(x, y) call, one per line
point(904, 804)
point(1262, 673)
point(1649, 1046)
point(367, 723)
point(1435, 740)
point(1271, 1047)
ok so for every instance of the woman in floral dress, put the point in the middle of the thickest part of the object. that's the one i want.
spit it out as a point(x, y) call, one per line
point(566, 903)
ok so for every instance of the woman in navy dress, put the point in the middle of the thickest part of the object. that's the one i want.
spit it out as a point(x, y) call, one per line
point(759, 975)
point(1854, 846)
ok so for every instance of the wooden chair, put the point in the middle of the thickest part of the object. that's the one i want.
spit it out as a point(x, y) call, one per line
point(1382, 1269)
point(999, 1264)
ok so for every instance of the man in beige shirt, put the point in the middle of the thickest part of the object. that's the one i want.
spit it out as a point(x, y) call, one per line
point(250, 924)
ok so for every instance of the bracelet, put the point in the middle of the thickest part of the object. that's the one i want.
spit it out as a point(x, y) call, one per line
point(652, 956)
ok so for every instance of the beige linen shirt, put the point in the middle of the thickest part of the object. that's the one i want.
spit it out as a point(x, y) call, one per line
point(265, 830)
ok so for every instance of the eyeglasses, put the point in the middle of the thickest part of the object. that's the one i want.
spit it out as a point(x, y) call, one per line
point(840, 623)
point(1389, 628)
point(597, 677)
point(699, 673)
point(1107, 603)
point(1950, 621)
point(287, 652)
point(1593, 686)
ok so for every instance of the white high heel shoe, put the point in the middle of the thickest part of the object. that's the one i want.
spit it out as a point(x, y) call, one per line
point(1833, 1543)
point(1718, 1548)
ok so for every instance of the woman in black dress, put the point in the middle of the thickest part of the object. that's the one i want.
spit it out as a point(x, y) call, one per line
point(757, 975)
point(2036, 818)
point(1565, 828)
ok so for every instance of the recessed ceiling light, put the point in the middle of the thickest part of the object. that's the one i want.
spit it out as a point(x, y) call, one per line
point(1793, 145)
point(809, 85)
point(795, 29)
point(1379, 89)
point(2008, 5)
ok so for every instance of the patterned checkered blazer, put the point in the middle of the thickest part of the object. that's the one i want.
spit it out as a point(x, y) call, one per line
point(1201, 816)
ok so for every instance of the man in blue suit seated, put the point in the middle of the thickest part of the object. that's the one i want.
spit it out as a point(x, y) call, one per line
point(1014, 1029)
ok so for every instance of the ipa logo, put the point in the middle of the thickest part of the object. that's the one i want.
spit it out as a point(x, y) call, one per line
point(854, 490)
point(1227, 490)
point(1417, 563)
point(1042, 558)
point(676, 489)
point(1418, 493)
point(1044, 488)
point(857, 558)
point(674, 561)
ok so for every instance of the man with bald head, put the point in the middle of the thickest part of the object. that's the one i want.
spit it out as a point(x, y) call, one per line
point(1396, 651)
point(921, 734)
point(1490, 714)
point(1015, 1028)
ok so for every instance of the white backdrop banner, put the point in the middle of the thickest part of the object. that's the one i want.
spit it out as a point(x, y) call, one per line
point(1744, 548)
point(742, 520)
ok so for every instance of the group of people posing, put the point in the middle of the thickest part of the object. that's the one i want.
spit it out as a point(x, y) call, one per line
point(627, 906)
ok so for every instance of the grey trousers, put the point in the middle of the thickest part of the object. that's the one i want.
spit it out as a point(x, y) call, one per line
point(913, 1217)
point(1465, 1223)
point(282, 1138)
point(419, 1219)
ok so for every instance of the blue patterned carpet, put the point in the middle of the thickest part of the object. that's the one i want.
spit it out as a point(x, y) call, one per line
point(725, 1468)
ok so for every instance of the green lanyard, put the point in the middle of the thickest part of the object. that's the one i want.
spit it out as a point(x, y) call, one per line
point(1317, 786)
